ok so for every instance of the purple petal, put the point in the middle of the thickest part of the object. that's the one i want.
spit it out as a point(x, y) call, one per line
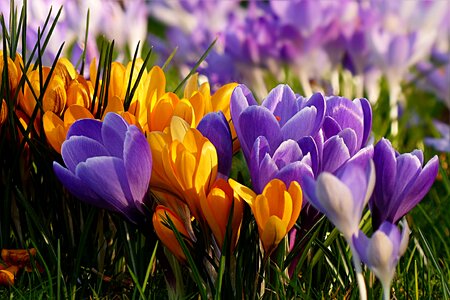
point(78, 149)
point(241, 98)
point(330, 127)
point(300, 125)
point(281, 102)
point(335, 153)
point(138, 163)
point(259, 151)
point(386, 174)
point(354, 177)
point(258, 121)
point(114, 129)
point(296, 171)
point(421, 187)
point(350, 139)
point(106, 176)
point(214, 126)
point(318, 101)
point(361, 244)
point(364, 104)
point(309, 190)
point(74, 185)
point(408, 169)
point(308, 145)
point(347, 114)
point(287, 152)
point(267, 171)
point(90, 128)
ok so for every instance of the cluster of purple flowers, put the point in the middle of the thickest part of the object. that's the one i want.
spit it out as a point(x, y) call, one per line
point(315, 39)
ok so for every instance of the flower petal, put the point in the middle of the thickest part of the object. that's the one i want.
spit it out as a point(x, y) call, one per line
point(215, 127)
point(78, 149)
point(90, 128)
point(258, 121)
point(114, 129)
point(76, 186)
point(106, 176)
point(138, 163)
point(281, 102)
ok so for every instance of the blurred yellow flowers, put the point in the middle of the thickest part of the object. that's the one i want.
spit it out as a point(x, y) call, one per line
point(275, 210)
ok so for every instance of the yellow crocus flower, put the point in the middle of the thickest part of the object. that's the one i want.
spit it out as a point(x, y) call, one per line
point(184, 163)
point(275, 210)
point(166, 235)
point(216, 209)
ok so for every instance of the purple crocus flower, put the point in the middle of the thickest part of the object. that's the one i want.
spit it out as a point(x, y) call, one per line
point(401, 184)
point(108, 164)
point(282, 145)
point(342, 197)
point(215, 127)
point(382, 251)
point(281, 116)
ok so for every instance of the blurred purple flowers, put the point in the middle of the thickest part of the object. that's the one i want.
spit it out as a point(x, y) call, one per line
point(108, 164)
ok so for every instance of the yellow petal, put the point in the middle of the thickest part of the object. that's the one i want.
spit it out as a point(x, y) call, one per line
point(191, 86)
point(221, 99)
point(157, 81)
point(178, 128)
point(207, 167)
point(272, 234)
point(205, 90)
point(245, 193)
point(161, 115)
point(297, 200)
point(165, 234)
point(198, 103)
point(77, 94)
point(185, 111)
point(54, 130)
point(261, 211)
point(55, 96)
point(76, 112)
point(117, 84)
point(275, 192)
point(3, 112)
point(115, 104)
point(185, 165)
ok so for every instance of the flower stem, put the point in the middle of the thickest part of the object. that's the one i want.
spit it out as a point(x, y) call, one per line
point(359, 275)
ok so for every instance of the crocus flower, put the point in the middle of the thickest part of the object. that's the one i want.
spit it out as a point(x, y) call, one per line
point(184, 163)
point(166, 234)
point(382, 251)
point(108, 164)
point(216, 209)
point(281, 116)
point(401, 184)
point(342, 197)
point(276, 209)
